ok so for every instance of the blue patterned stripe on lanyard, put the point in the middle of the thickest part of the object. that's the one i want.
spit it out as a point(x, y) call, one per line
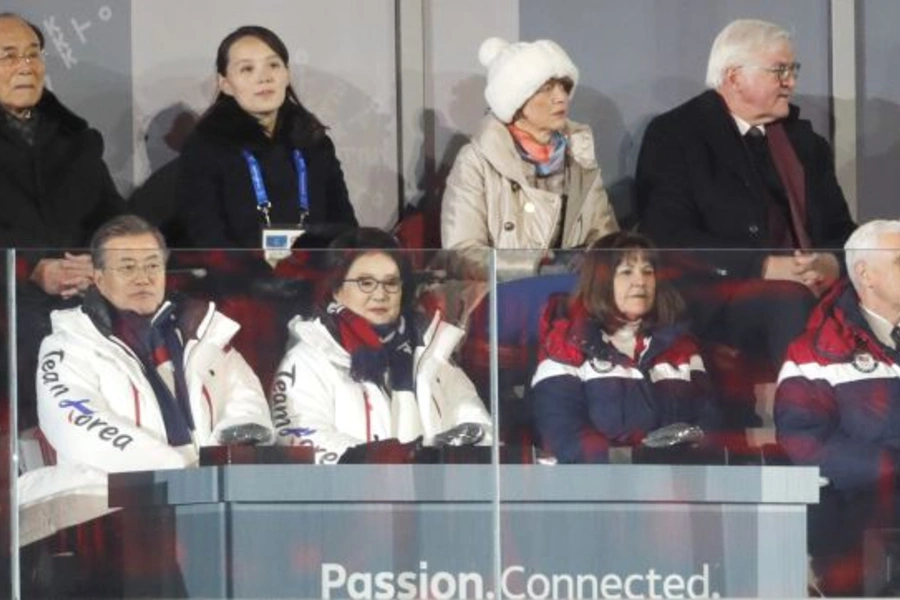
point(259, 187)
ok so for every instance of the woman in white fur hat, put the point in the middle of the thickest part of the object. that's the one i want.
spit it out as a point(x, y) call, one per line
point(528, 179)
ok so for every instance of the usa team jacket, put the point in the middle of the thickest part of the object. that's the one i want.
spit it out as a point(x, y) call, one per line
point(586, 394)
point(837, 404)
point(99, 412)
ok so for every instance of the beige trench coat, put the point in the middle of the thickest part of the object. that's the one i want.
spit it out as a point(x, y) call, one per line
point(489, 203)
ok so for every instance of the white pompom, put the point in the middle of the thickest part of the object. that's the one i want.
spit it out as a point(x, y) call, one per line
point(489, 50)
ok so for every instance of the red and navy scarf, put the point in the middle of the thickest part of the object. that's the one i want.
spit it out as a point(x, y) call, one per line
point(156, 342)
point(379, 354)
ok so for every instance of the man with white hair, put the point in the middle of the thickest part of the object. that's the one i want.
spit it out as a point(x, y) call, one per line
point(736, 168)
point(55, 190)
point(837, 404)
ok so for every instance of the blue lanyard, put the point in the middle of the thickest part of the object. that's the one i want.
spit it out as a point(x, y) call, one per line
point(263, 204)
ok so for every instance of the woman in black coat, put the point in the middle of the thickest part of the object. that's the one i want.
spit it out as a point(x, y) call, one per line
point(257, 157)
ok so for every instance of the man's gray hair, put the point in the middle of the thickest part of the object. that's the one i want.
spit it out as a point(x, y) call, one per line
point(123, 225)
point(739, 43)
point(864, 245)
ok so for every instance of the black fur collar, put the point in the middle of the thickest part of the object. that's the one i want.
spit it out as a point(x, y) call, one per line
point(51, 109)
point(227, 122)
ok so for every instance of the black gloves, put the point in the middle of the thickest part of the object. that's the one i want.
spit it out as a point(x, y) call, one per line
point(464, 434)
point(389, 451)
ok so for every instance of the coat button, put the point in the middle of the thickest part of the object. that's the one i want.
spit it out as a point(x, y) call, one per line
point(753, 229)
point(509, 226)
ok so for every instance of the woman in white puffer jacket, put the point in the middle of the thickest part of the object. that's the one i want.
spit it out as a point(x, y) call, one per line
point(367, 368)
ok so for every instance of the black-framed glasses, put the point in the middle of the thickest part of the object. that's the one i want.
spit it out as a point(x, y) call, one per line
point(368, 285)
point(13, 59)
point(783, 72)
point(132, 271)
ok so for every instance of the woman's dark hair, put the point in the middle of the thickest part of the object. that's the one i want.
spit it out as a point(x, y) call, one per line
point(346, 248)
point(313, 126)
point(595, 282)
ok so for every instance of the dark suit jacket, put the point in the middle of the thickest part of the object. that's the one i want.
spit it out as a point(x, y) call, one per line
point(55, 193)
point(696, 187)
point(53, 196)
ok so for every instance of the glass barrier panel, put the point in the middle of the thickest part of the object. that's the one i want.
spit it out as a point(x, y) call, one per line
point(659, 368)
point(7, 268)
point(149, 418)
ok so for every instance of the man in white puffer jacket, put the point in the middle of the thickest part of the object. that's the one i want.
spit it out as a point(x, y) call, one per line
point(131, 381)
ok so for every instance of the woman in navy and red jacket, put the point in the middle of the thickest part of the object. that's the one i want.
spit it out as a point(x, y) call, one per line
point(616, 362)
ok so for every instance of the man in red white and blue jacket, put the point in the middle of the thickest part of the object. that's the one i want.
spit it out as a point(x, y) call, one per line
point(837, 403)
point(838, 399)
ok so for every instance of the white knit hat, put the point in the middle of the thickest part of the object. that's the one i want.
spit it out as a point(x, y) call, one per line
point(516, 71)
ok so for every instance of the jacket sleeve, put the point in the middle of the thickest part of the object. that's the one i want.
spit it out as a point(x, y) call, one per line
point(807, 425)
point(340, 210)
point(464, 208)
point(109, 202)
point(561, 415)
point(244, 401)
point(706, 410)
point(831, 206)
point(467, 406)
point(200, 204)
point(603, 218)
point(10, 237)
point(302, 402)
point(668, 208)
point(79, 423)
point(690, 400)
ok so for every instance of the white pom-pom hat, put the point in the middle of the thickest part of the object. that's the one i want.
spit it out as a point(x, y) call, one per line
point(515, 71)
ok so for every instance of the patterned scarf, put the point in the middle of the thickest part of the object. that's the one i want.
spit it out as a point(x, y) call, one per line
point(25, 128)
point(380, 354)
point(547, 159)
point(157, 344)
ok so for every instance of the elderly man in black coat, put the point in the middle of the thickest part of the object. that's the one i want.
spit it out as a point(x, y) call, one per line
point(54, 186)
point(55, 189)
point(736, 168)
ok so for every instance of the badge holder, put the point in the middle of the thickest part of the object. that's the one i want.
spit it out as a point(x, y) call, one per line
point(277, 241)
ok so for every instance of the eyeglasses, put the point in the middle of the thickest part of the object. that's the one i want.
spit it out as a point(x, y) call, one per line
point(132, 271)
point(782, 72)
point(368, 285)
point(13, 59)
